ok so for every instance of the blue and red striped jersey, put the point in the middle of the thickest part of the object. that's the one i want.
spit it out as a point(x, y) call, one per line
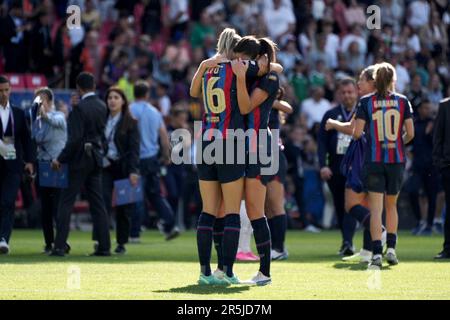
point(384, 118)
point(220, 97)
point(259, 117)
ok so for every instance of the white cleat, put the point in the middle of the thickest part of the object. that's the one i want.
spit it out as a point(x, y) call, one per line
point(279, 255)
point(391, 257)
point(4, 248)
point(218, 274)
point(365, 256)
point(258, 280)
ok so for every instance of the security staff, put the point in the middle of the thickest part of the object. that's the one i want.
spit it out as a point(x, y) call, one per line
point(441, 159)
point(332, 146)
point(83, 153)
point(15, 149)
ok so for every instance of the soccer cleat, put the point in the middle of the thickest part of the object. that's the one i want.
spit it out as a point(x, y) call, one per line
point(437, 227)
point(276, 255)
point(347, 250)
point(4, 248)
point(425, 232)
point(231, 280)
point(419, 228)
point(172, 234)
point(376, 263)
point(246, 256)
point(259, 280)
point(364, 256)
point(120, 250)
point(134, 240)
point(207, 280)
point(218, 274)
point(442, 255)
point(391, 257)
point(47, 249)
point(312, 229)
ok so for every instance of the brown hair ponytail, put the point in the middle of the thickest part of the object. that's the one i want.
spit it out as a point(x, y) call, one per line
point(384, 75)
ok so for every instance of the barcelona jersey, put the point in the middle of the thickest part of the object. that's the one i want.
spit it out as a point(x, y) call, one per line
point(384, 118)
point(220, 97)
point(259, 117)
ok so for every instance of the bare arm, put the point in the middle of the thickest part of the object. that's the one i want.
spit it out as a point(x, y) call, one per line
point(283, 106)
point(196, 85)
point(343, 127)
point(359, 128)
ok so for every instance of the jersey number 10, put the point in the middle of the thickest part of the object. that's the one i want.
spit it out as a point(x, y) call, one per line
point(388, 124)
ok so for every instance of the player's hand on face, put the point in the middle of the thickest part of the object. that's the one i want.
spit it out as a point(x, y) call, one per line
point(239, 67)
point(326, 173)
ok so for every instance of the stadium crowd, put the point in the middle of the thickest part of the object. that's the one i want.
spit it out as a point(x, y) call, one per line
point(321, 41)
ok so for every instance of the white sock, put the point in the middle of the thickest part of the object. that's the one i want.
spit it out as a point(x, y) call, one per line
point(246, 230)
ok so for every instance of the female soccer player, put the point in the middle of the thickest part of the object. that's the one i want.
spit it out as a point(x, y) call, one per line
point(386, 113)
point(257, 108)
point(274, 206)
point(221, 181)
point(355, 193)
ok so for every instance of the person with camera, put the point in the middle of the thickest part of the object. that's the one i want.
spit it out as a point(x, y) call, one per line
point(15, 150)
point(83, 153)
point(49, 131)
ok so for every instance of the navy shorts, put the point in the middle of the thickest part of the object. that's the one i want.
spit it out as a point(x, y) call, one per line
point(280, 176)
point(384, 177)
point(222, 172)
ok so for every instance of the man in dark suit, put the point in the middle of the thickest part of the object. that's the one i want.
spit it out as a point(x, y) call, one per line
point(15, 149)
point(441, 159)
point(83, 153)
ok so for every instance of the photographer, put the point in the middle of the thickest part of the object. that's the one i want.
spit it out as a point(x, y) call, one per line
point(48, 129)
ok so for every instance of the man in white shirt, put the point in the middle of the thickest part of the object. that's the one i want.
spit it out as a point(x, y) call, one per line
point(355, 35)
point(314, 108)
point(419, 13)
point(178, 17)
point(280, 20)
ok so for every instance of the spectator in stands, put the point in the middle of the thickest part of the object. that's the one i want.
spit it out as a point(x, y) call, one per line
point(417, 93)
point(178, 18)
point(14, 33)
point(435, 91)
point(289, 55)
point(91, 15)
point(418, 13)
point(315, 107)
point(280, 21)
point(42, 52)
point(354, 14)
point(49, 131)
point(201, 30)
point(299, 82)
point(354, 35)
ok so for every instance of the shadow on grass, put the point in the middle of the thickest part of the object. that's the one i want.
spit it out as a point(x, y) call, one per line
point(206, 289)
point(355, 266)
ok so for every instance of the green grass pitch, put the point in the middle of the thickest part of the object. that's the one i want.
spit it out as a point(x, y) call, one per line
point(156, 269)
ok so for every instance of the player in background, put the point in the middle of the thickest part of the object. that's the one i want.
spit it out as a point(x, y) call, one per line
point(256, 107)
point(386, 113)
point(274, 206)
